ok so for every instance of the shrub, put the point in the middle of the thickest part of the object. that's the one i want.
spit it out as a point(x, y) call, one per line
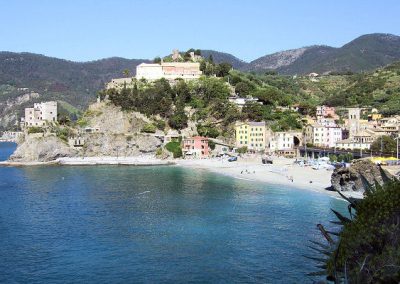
point(63, 133)
point(149, 128)
point(174, 148)
point(35, 129)
point(242, 150)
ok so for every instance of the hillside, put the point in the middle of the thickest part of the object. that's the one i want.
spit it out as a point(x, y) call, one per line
point(365, 53)
point(74, 84)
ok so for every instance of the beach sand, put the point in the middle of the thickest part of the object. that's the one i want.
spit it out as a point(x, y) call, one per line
point(283, 171)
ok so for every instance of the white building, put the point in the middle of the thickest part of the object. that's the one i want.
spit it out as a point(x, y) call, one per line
point(168, 70)
point(240, 102)
point(322, 136)
point(41, 114)
point(281, 141)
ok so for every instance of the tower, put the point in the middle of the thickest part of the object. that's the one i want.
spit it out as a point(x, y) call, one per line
point(354, 121)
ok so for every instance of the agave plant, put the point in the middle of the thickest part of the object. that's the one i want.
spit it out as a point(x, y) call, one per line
point(367, 247)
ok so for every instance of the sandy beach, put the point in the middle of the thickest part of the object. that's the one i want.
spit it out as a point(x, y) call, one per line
point(283, 171)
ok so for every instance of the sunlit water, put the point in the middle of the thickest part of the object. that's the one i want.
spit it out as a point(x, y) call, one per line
point(111, 224)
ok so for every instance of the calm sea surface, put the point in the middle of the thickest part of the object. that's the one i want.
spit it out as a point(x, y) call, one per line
point(117, 224)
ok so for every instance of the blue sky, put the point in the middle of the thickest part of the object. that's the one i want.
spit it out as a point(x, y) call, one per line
point(88, 29)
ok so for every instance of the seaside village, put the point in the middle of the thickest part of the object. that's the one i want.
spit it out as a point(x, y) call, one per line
point(344, 131)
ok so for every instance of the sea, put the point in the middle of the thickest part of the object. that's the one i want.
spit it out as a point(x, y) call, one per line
point(159, 224)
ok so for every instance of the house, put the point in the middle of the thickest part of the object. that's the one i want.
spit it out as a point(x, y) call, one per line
point(251, 134)
point(196, 147)
point(40, 115)
point(240, 102)
point(285, 142)
point(325, 111)
point(322, 136)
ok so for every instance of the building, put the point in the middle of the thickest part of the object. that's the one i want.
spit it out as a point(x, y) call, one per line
point(240, 102)
point(40, 115)
point(284, 142)
point(325, 111)
point(350, 144)
point(353, 122)
point(168, 70)
point(196, 147)
point(251, 135)
point(322, 136)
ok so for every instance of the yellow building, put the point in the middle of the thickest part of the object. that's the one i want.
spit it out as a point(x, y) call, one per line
point(251, 134)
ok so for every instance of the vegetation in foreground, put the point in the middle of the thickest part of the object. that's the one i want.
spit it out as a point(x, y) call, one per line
point(368, 245)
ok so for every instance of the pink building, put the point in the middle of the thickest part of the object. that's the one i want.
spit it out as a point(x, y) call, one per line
point(326, 111)
point(196, 147)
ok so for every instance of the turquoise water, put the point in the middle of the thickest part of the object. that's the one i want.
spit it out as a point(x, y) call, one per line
point(153, 224)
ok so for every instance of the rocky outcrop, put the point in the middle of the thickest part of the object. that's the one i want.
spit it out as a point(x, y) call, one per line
point(101, 144)
point(41, 149)
point(361, 174)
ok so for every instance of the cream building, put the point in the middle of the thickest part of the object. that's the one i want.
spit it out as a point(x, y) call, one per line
point(251, 135)
point(41, 114)
point(168, 70)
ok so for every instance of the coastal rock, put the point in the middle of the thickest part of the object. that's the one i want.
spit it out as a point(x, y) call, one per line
point(41, 149)
point(350, 179)
point(102, 144)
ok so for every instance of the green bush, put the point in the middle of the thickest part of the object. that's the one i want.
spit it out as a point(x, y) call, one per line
point(63, 133)
point(149, 128)
point(34, 129)
point(242, 150)
point(174, 148)
point(369, 250)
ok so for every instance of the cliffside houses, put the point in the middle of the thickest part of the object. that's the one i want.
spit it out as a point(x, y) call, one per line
point(40, 115)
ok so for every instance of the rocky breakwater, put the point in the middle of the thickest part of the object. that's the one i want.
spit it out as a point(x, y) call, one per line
point(358, 177)
point(41, 149)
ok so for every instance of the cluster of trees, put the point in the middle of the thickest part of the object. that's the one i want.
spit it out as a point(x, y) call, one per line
point(208, 96)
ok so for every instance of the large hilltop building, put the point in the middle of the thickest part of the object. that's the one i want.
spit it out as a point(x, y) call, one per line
point(155, 71)
point(40, 114)
point(168, 70)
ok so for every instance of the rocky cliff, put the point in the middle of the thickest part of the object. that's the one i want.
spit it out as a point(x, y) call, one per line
point(41, 149)
point(361, 174)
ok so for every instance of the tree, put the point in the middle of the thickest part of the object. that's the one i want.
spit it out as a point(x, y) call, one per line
point(126, 72)
point(223, 69)
point(197, 52)
point(178, 120)
point(157, 60)
point(253, 111)
point(384, 145)
point(243, 89)
point(211, 59)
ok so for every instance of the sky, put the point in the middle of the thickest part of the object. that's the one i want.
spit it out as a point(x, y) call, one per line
point(83, 30)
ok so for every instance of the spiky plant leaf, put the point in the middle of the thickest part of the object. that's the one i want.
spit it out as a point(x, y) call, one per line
point(342, 218)
point(325, 247)
point(317, 273)
point(317, 259)
point(325, 252)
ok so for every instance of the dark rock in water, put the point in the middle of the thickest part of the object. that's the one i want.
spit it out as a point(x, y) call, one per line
point(358, 177)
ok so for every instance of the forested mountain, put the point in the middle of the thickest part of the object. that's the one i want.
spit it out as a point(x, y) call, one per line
point(365, 53)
